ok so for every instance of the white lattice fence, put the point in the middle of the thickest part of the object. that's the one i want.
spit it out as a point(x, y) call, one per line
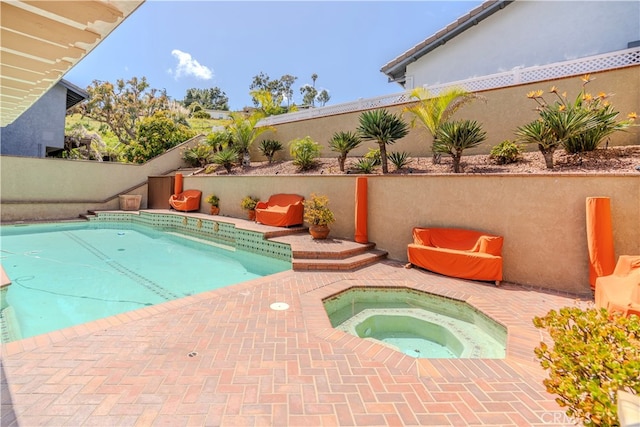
point(618, 59)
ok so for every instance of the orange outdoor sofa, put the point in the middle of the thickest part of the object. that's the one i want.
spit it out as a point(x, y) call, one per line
point(187, 201)
point(281, 210)
point(620, 291)
point(457, 252)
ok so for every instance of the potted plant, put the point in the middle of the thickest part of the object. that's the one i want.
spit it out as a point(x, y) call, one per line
point(249, 204)
point(318, 215)
point(214, 201)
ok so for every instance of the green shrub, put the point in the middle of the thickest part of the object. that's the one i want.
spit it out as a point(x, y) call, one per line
point(399, 160)
point(374, 155)
point(201, 114)
point(365, 165)
point(506, 152)
point(269, 147)
point(304, 151)
point(594, 354)
point(343, 142)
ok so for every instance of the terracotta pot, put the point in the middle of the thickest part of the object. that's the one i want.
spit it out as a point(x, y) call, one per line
point(215, 210)
point(319, 232)
point(252, 215)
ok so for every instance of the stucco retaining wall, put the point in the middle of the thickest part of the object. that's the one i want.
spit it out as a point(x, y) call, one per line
point(541, 217)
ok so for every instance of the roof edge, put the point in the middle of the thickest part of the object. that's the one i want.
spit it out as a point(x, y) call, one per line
point(396, 68)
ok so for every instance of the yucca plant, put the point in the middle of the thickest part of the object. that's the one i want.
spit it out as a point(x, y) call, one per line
point(399, 159)
point(342, 143)
point(384, 128)
point(434, 110)
point(226, 158)
point(269, 147)
point(454, 137)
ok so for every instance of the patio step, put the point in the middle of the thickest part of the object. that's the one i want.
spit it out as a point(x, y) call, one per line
point(352, 262)
point(330, 254)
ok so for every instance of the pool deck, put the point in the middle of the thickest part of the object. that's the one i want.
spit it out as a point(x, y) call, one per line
point(225, 357)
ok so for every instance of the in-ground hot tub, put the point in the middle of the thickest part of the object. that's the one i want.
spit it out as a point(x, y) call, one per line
point(417, 323)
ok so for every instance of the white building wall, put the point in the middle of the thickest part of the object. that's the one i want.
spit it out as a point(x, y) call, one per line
point(529, 33)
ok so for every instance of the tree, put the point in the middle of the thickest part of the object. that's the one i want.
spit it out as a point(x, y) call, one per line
point(279, 88)
point(267, 104)
point(384, 128)
point(323, 97)
point(433, 111)
point(121, 106)
point(309, 94)
point(156, 134)
point(210, 99)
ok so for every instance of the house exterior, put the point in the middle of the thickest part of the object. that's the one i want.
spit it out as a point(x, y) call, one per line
point(40, 129)
point(506, 35)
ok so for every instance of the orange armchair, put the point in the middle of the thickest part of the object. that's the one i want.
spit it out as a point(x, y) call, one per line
point(188, 200)
point(457, 252)
point(620, 292)
point(281, 210)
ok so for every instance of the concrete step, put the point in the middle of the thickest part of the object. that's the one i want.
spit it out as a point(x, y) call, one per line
point(351, 262)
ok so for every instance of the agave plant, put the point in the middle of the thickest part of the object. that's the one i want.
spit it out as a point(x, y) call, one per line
point(432, 111)
point(454, 137)
point(384, 128)
point(342, 143)
point(399, 159)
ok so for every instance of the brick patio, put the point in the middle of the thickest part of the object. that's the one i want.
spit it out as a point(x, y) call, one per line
point(226, 358)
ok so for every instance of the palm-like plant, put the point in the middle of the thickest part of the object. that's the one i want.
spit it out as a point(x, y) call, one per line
point(342, 143)
point(432, 111)
point(384, 128)
point(226, 158)
point(269, 147)
point(456, 136)
point(244, 132)
point(200, 155)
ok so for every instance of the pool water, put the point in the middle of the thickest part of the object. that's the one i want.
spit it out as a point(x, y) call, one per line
point(67, 274)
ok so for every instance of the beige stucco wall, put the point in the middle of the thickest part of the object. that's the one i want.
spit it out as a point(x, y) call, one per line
point(541, 217)
point(500, 114)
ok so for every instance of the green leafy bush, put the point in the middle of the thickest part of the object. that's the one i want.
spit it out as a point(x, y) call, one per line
point(399, 159)
point(304, 151)
point(201, 114)
point(506, 152)
point(594, 354)
point(374, 155)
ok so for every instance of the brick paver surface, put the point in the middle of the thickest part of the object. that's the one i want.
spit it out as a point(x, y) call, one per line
point(226, 358)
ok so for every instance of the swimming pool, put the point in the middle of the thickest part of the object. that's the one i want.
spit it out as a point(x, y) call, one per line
point(67, 274)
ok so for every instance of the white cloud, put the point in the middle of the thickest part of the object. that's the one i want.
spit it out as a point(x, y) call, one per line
point(187, 66)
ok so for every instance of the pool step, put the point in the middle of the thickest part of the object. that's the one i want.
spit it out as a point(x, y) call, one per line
point(330, 254)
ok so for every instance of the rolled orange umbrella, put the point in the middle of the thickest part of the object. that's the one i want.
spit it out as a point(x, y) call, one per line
point(361, 210)
point(177, 186)
point(602, 258)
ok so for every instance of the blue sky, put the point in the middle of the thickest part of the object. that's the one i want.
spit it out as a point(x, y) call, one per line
point(179, 45)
